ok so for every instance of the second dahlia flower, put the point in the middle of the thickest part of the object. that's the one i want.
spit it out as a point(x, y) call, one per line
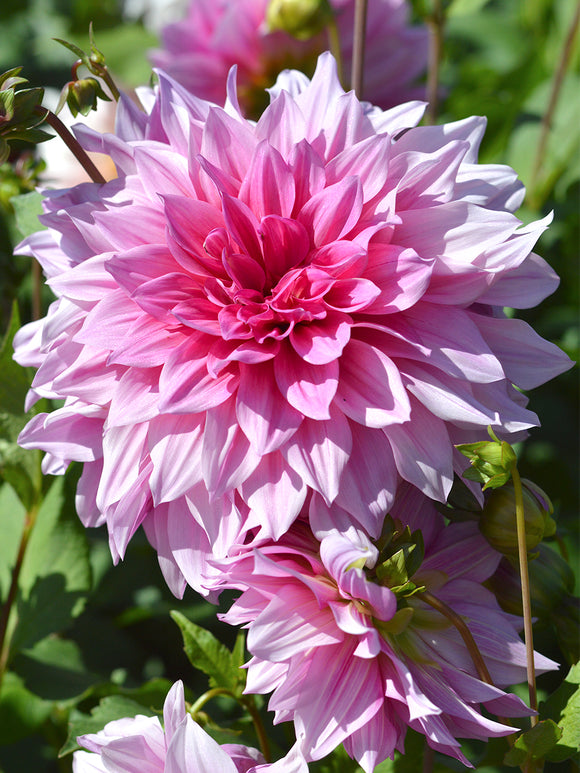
point(252, 313)
point(353, 655)
point(199, 50)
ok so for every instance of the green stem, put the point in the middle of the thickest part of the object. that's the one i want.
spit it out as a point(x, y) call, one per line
point(29, 522)
point(428, 758)
point(72, 144)
point(554, 94)
point(106, 76)
point(358, 50)
point(436, 25)
point(248, 704)
point(334, 46)
point(525, 583)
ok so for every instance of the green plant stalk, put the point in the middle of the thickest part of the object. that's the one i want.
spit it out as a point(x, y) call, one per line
point(246, 703)
point(436, 25)
point(106, 76)
point(29, 522)
point(525, 583)
point(334, 47)
point(554, 95)
point(72, 144)
point(358, 50)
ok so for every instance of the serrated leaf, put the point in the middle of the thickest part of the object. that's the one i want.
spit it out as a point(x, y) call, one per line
point(534, 744)
point(563, 706)
point(209, 655)
point(56, 572)
point(27, 209)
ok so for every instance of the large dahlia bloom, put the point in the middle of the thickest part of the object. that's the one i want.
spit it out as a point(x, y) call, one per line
point(216, 34)
point(251, 314)
point(350, 661)
point(142, 745)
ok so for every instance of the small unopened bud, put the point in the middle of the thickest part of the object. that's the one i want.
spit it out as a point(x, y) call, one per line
point(81, 96)
point(498, 519)
point(300, 18)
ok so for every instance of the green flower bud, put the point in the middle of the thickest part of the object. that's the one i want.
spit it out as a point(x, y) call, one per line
point(498, 519)
point(551, 583)
point(300, 18)
point(81, 96)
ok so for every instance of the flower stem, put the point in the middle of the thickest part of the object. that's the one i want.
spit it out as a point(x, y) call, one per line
point(428, 758)
point(106, 76)
point(525, 583)
point(358, 50)
point(248, 704)
point(72, 144)
point(334, 46)
point(29, 522)
point(464, 632)
point(436, 24)
point(554, 94)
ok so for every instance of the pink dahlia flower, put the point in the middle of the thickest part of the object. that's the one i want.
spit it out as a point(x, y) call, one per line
point(199, 51)
point(350, 661)
point(141, 745)
point(252, 312)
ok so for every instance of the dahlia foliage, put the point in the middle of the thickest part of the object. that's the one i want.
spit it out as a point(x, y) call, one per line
point(199, 50)
point(268, 339)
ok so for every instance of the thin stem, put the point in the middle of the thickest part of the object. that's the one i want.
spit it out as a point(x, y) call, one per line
point(259, 727)
point(334, 46)
point(29, 522)
point(464, 632)
point(428, 758)
point(525, 583)
point(72, 144)
point(106, 76)
point(248, 704)
point(554, 94)
point(358, 50)
point(436, 24)
point(207, 696)
point(36, 291)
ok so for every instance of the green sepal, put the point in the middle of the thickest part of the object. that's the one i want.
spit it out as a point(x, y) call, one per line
point(491, 461)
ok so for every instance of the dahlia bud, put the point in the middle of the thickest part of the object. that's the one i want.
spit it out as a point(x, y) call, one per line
point(551, 583)
point(81, 96)
point(300, 18)
point(498, 519)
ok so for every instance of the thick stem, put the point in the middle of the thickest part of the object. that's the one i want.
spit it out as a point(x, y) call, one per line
point(554, 94)
point(428, 758)
point(13, 591)
point(207, 696)
point(36, 290)
point(525, 583)
point(358, 49)
point(72, 144)
point(436, 24)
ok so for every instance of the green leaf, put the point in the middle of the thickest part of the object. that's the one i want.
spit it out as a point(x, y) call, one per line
point(110, 708)
point(563, 706)
point(56, 572)
point(21, 712)
point(209, 655)
point(27, 208)
point(465, 7)
point(54, 669)
point(534, 744)
point(12, 514)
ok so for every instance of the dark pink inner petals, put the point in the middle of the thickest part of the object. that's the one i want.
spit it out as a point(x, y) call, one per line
point(321, 341)
point(244, 271)
point(159, 296)
point(351, 294)
point(285, 245)
point(340, 258)
point(309, 173)
point(242, 225)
